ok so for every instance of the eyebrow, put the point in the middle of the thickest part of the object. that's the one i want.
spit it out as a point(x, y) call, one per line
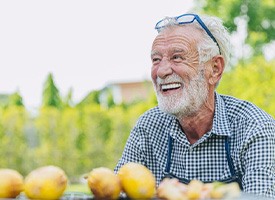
point(178, 50)
point(153, 53)
point(175, 50)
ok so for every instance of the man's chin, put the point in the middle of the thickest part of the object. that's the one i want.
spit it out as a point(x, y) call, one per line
point(178, 112)
point(171, 110)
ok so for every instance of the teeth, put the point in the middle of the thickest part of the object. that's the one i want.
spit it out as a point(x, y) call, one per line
point(170, 86)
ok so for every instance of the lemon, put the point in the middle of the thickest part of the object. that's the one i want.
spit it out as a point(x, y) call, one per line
point(11, 183)
point(48, 182)
point(104, 183)
point(137, 181)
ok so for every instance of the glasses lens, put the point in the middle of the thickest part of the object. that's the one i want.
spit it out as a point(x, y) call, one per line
point(185, 19)
point(162, 23)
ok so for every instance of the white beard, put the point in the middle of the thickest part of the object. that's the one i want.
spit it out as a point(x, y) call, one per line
point(188, 101)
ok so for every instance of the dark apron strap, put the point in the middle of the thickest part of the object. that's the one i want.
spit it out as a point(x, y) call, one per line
point(230, 163)
point(168, 160)
point(228, 156)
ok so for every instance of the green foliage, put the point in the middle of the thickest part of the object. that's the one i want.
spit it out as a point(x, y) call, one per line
point(77, 139)
point(51, 96)
point(68, 100)
point(95, 126)
point(253, 81)
point(12, 137)
point(259, 15)
point(82, 188)
point(110, 100)
point(92, 98)
point(15, 99)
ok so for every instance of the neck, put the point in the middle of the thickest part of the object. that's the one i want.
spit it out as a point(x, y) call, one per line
point(201, 122)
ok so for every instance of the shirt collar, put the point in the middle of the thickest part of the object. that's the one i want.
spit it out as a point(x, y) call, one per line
point(221, 125)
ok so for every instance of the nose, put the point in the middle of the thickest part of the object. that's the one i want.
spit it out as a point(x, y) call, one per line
point(164, 69)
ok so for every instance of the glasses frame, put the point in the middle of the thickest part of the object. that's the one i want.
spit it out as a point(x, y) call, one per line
point(196, 17)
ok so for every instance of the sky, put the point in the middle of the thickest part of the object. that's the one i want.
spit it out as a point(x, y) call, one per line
point(85, 44)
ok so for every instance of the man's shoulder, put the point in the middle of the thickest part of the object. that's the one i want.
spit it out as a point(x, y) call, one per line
point(238, 108)
point(154, 116)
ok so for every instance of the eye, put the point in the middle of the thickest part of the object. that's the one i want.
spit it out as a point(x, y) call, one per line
point(177, 58)
point(156, 60)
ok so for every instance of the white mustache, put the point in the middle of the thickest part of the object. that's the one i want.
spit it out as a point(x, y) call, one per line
point(169, 79)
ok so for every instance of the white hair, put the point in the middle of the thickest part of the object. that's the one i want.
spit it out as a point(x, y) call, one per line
point(207, 48)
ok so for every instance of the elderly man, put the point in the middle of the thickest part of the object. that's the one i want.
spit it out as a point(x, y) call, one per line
point(194, 132)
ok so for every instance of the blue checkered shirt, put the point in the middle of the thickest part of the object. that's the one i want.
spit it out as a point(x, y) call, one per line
point(252, 139)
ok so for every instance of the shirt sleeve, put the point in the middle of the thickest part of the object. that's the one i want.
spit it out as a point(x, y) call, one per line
point(132, 151)
point(259, 161)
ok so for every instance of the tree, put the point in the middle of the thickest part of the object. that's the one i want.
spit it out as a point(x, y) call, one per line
point(51, 95)
point(68, 100)
point(258, 16)
point(91, 98)
point(15, 99)
point(254, 81)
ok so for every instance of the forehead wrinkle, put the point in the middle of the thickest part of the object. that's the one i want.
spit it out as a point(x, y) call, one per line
point(178, 41)
point(184, 34)
point(173, 47)
point(171, 39)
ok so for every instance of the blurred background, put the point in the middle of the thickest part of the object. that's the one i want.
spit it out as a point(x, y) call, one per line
point(75, 75)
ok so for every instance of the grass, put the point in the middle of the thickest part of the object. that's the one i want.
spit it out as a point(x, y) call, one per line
point(83, 188)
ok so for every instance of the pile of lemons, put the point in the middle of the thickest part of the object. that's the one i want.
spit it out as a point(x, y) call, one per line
point(47, 182)
point(133, 179)
point(50, 182)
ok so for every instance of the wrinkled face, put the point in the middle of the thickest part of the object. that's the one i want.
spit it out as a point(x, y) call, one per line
point(178, 78)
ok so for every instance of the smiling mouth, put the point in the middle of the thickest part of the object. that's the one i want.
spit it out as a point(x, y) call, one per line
point(170, 86)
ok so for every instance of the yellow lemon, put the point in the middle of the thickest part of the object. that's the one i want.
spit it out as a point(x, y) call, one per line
point(104, 183)
point(11, 183)
point(48, 182)
point(137, 181)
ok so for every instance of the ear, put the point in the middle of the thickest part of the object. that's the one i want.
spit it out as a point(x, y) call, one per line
point(217, 69)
